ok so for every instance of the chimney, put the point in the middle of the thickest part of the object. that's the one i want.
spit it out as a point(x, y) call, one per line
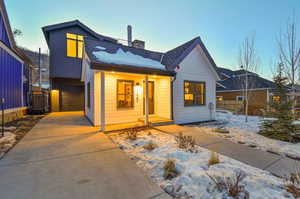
point(129, 35)
point(138, 44)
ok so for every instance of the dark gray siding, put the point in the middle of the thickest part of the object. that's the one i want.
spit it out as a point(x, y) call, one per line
point(62, 66)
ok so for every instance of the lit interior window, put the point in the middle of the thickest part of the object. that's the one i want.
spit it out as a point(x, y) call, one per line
point(75, 45)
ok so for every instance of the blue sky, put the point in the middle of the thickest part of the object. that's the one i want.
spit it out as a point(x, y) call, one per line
point(165, 24)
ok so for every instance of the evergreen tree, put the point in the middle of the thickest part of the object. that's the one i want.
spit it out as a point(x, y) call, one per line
point(281, 109)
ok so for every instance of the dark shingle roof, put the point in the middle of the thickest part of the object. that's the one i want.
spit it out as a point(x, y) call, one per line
point(91, 46)
point(238, 83)
point(49, 28)
point(171, 55)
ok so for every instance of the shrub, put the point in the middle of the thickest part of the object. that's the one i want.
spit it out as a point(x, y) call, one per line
point(133, 132)
point(231, 185)
point(214, 158)
point(150, 146)
point(170, 170)
point(293, 185)
point(187, 143)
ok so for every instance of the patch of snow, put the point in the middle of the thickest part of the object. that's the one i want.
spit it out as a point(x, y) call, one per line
point(127, 58)
point(6, 142)
point(100, 48)
point(246, 132)
point(193, 180)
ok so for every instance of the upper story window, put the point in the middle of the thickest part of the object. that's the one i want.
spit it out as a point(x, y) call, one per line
point(74, 45)
point(194, 93)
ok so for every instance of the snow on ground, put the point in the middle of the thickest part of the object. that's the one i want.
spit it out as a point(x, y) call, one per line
point(126, 58)
point(6, 142)
point(246, 132)
point(193, 168)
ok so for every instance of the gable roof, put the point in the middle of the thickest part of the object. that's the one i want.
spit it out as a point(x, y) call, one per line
point(47, 29)
point(173, 57)
point(236, 81)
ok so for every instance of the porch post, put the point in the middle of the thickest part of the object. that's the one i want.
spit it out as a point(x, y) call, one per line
point(102, 97)
point(147, 101)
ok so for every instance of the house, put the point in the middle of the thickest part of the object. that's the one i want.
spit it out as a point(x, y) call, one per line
point(231, 91)
point(15, 69)
point(126, 84)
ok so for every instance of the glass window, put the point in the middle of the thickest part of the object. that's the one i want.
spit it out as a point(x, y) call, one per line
point(124, 93)
point(240, 98)
point(194, 93)
point(88, 94)
point(276, 99)
point(75, 45)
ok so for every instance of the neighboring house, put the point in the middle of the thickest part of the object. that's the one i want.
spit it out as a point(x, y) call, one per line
point(43, 61)
point(231, 91)
point(15, 71)
point(118, 84)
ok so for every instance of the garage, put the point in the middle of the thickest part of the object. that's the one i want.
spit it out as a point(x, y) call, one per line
point(71, 98)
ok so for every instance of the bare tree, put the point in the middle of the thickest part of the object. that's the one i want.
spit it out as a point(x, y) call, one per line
point(248, 61)
point(17, 32)
point(289, 54)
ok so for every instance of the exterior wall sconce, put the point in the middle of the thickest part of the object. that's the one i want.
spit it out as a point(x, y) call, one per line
point(137, 90)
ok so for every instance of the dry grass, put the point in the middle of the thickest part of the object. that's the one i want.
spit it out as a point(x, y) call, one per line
point(187, 143)
point(232, 185)
point(292, 185)
point(214, 158)
point(150, 146)
point(170, 170)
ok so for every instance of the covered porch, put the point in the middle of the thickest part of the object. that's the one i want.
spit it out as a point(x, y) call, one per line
point(125, 100)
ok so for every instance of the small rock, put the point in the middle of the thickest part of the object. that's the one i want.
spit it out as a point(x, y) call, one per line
point(273, 152)
point(252, 145)
point(10, 128)
point(241, 142)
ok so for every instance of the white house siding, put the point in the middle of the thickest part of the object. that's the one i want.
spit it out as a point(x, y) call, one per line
point(89, 77)
point(162, 99)
point(194, 67)
point(114, 115)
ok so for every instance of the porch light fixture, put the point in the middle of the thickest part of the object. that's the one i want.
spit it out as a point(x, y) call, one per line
point(137, 90)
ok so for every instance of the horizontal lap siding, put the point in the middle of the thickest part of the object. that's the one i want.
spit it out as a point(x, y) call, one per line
point(163, 97)
point(10, 80)
point(114, 115)
point(194, 68)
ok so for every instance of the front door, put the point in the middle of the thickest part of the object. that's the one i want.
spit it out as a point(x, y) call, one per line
point(150, 96)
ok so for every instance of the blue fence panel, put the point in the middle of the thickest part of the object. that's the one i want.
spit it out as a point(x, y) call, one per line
point(11, 84)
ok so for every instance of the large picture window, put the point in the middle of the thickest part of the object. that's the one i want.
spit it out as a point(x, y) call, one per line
point(74, 45)
point(194, 93)
point(125, 93)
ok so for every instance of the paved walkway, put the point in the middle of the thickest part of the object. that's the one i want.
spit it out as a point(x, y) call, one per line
point(64, 157)
point(277, 165)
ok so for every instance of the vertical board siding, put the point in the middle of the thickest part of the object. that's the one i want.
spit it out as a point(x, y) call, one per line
point(11, 84)
point(3, 33)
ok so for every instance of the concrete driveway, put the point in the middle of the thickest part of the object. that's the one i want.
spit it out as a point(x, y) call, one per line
point(64, 157)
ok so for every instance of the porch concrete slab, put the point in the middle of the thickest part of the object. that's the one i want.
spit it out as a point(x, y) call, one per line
point(86, 165)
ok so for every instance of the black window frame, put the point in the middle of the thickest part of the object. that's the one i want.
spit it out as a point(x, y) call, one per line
point(132, 95)
point(194, 93)
point(77, 41)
